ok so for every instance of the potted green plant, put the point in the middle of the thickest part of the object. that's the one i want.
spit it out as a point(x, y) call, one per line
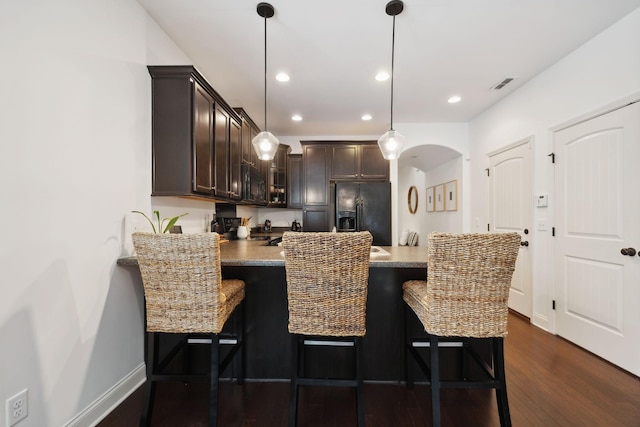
point(170, 221)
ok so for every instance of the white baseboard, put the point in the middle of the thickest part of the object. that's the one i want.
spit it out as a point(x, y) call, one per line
point(541, 322)
point(102, 406)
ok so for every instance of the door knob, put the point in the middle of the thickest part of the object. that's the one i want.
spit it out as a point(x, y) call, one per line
point(525, 243)
point(628, 251)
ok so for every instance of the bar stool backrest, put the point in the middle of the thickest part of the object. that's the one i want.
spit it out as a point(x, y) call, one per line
point(468, 281)
point(327, 281)
point(182, 282)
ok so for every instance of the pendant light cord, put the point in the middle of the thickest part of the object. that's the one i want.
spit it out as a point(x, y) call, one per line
point(265, 73)
point(393, 48)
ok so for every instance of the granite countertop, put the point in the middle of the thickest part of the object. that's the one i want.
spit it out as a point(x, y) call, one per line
point(254, 253)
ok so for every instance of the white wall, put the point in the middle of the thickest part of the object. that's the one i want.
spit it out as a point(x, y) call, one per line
point(601, 72)
point(409, 176)
point(446, 221)
point(75, 126)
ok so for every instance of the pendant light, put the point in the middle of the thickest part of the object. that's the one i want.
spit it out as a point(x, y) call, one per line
point(265, 143)
point(392, 141)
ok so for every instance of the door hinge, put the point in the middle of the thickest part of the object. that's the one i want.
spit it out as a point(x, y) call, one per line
point(553, 232)
point(553, 157)
point(553, 304)
point(487, 169)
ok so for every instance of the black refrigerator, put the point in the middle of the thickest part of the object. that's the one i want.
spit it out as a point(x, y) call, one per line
point(364, 206)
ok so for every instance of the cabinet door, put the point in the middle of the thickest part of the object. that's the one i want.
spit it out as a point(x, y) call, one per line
point(315, 175)
point(372, 164)
point(246, 142)
point(344, 162)
point(261, 165)
point(221, 155)
point(249, 131)
point(203, 140)
point(235, 160)
point(277, 178)
point(294, 181)
point(315, 219)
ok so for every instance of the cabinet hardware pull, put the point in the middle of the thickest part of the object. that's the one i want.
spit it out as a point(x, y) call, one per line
point(628, 251)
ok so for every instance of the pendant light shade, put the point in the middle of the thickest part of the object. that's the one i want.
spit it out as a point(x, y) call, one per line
point(265, 143)
point(390, 144)
point(392, 141)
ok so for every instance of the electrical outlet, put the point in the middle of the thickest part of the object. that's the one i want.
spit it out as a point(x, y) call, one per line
point(17, 408)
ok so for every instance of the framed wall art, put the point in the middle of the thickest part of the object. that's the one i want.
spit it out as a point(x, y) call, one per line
point(430, 201)
point(439, 197)
point(451, 195)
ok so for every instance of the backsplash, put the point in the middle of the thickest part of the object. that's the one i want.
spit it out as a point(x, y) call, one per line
point(200, 213)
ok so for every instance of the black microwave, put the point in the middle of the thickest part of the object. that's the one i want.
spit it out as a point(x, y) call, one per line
point(253, 186)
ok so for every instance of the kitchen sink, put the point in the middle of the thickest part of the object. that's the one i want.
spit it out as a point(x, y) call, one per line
point(377, 250)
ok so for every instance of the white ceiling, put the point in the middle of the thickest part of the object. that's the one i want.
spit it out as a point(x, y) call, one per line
point(333, 48)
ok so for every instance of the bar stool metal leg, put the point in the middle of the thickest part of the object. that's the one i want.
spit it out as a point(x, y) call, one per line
point(501, 390)
point(435, 380)
point(359, 379)
point(213, 384)
point(293, 398)
point(150, 386)
point(408, 366)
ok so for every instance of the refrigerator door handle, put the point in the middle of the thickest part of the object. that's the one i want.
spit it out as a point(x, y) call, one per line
point(358, 213)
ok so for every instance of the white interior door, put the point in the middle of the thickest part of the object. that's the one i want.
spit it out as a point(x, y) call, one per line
point(597, 201)
point(511, 205)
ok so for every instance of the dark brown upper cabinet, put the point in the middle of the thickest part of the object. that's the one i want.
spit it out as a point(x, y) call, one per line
point(235, 160)
point(253, 188)
point(316, 162)
point(196, 137)
point(276, 178)
point(249, 131)
point(358, 162)
point(294, 181)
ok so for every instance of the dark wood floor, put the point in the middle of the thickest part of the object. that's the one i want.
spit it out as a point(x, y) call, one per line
point(550, 381)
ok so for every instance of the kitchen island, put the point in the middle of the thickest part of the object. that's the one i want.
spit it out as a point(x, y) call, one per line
point(268, 342)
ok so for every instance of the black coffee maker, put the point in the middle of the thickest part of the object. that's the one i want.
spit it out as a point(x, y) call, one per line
point(215, 225)
point(267, 225)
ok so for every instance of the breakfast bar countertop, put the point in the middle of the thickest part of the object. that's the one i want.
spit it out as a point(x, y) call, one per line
point(255, 253)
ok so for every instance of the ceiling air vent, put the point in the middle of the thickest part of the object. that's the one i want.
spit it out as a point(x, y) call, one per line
point(503, 83)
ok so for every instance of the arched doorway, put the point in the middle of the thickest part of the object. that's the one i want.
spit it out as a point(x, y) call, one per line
point(426, 167)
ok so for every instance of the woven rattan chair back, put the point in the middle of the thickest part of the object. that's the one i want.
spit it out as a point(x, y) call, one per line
point(327, 280)
point(182, 282)
point(468, 280)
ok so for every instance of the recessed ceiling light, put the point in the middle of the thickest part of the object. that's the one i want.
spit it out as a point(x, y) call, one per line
point(366, 117)
point(454, 99)
point(296, 117)
point(282, 77)
point(382, 76)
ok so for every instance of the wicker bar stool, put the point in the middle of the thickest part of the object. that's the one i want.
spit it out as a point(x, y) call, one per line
point(327, 283)
point(185, 294)
point(465, 297)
